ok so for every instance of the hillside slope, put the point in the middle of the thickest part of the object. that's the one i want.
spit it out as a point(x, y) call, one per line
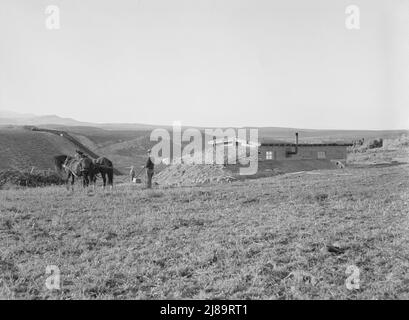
point(23, 149)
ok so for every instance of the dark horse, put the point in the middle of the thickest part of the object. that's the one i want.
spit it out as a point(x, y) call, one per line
point(105, 167)
point(75, 168)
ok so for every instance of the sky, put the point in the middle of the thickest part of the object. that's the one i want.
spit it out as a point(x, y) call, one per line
point(213, 63)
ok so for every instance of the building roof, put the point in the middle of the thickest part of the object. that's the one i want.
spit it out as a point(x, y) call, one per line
point(306, 144)
point(227, 140)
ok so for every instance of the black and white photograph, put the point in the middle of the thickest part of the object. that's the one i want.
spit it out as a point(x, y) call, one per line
point(220, 152)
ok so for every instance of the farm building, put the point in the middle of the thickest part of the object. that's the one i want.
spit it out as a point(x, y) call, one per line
point(302, 156)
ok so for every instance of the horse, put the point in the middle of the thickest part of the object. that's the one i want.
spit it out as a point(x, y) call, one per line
point(74, 167)
point(105, 167)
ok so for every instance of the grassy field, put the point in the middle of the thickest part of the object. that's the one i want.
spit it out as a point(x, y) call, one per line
point(265, 238)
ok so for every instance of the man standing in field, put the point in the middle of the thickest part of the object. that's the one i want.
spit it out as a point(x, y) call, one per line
point(132, 174)
point(149, 170)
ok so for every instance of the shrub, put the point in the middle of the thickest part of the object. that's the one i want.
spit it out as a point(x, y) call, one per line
point(27, 179)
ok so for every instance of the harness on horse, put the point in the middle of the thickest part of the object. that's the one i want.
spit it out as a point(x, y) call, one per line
point(69, 169)
point(65, 166)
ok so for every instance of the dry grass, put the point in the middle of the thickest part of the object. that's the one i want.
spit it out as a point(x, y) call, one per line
point(251, 239)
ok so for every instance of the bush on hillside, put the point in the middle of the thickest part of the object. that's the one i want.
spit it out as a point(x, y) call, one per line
point(27, 179)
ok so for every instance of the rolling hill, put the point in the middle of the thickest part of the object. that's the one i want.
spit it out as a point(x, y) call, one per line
point(14, 118)
point(22, 149)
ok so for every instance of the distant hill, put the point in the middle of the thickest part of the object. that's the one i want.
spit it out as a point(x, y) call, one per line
point(319, 136)
point(8, 119)
point(275, 133)
point(13, 118)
